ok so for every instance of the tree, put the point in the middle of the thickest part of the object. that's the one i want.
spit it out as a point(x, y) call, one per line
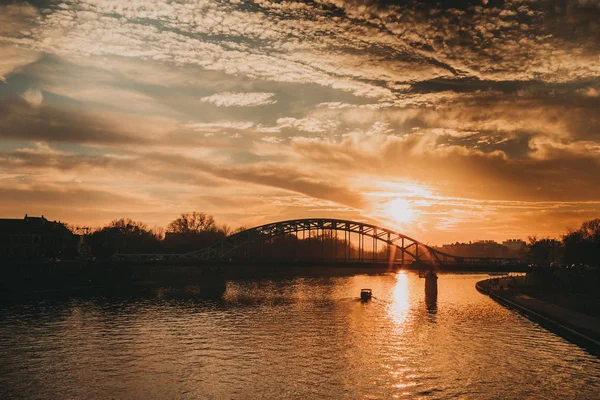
point(159, 232)
point(127, 226)
point(239, 229)
point(583, 246)
point(122, 236)
point(225, 229)
point(590, 230)
point(193, 223)
point(543, 251)
point(574, 247)
point(193, 231)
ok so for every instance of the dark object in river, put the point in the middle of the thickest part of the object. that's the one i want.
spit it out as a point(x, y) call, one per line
point(430, 283)
point(365, 294)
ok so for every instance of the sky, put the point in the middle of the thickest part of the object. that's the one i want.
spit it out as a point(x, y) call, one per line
point(445, 120)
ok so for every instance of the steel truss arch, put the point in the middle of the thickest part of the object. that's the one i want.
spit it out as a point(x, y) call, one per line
point(418, 251)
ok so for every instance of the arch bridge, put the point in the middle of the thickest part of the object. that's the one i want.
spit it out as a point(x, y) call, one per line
point(400, 248)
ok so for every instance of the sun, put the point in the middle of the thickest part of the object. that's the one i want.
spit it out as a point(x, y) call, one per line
point(400, 211)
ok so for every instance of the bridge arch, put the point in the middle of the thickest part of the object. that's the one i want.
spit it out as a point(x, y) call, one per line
point(220, 250)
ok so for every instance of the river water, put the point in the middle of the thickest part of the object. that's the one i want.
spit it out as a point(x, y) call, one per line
point(293, 338)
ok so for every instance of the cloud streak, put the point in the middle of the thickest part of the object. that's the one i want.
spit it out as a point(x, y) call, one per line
point(231, 99)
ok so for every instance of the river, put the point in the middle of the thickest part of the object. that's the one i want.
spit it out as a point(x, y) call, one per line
point(291, 338)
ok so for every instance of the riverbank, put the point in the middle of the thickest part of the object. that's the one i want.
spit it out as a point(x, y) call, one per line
point(574, 326)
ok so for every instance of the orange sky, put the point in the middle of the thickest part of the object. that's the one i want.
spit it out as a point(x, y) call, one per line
point(455, 124)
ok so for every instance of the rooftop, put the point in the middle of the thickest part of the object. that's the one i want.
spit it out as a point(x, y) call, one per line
point(30, 225)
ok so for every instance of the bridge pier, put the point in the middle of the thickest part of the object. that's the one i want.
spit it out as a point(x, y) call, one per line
point(403, 251)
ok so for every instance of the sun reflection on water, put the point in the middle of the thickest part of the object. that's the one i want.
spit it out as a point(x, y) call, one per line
point(400, 300)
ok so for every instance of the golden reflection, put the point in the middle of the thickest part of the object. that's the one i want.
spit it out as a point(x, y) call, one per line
point(400, 301)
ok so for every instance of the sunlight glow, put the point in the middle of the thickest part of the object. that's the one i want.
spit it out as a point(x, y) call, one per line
point(400, 302)
point(400, 211)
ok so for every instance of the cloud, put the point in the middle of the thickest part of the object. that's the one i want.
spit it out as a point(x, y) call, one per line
point(26, 120)
point(457, 170)
point(271, 139)
point(186, 176)
point(272, 175)
point(33, 97)
point(16, 19)
point(589, 92)
point(312, 125)
point(14, 58)
point(72, 203)
point(231, 99)
point(218, 126)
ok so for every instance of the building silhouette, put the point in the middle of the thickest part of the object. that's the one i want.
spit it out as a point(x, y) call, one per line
point(35, 238)
point(515, 246)
point(480, 248)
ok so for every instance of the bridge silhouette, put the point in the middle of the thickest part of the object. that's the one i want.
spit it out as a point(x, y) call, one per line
point(401, 249)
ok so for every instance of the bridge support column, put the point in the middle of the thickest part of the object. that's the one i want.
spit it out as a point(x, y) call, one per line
point(345, 246)
point(389, 249)
point(309, 241)
point(417, 251)
point(335, 245)
point(375, 248)
point(361, 245)
point(402, 251)
point(332, 243)
point(322, 243)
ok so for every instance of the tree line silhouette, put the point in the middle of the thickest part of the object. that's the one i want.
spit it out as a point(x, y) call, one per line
point(579, 247)
point(188, 232)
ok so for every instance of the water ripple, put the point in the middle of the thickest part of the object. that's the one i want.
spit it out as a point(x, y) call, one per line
point(292, 338)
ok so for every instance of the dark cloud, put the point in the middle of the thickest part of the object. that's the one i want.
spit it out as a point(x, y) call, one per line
point(474, 84)
point(272, 175)
point(23, 121)
point(31, 161)
point(50, 197)
point(183, 170)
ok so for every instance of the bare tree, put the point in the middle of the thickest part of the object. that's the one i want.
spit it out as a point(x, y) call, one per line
point(158, 232)
point(225, 229)
point(196, 222)
point(239, 229)
point(590, 230)
point(128, 226)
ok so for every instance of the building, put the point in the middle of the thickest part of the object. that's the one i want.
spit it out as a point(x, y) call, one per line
point(34, 238)
point(516, 247)
point(480, 248)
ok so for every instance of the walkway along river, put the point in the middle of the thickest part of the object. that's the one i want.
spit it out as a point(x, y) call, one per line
point(579, 328)
point(290, 338)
